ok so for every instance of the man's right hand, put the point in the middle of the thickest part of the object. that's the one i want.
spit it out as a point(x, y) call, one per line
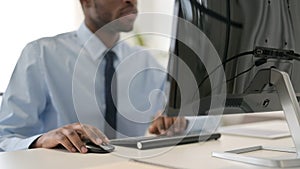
point(168, 125)
point(71, 137)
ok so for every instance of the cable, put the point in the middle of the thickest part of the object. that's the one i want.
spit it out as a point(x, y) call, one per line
point(295, 56)
point(215, 15)
point(240, 74)
point(273, 53)
point(257, 63)
point(224, 63)
point(228, 30)
point(262, 61)
point(258, 51)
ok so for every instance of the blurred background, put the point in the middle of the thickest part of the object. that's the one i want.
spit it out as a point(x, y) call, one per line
point(25, 21)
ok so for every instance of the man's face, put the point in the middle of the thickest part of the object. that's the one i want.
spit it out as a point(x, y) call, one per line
point(122, 12)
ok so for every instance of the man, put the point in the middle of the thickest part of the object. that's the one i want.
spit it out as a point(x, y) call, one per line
point(50, 98)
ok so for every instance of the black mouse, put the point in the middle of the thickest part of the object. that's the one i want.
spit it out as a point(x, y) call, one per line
point(102, 148)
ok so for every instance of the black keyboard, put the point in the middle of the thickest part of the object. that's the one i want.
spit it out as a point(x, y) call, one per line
point(143, 143)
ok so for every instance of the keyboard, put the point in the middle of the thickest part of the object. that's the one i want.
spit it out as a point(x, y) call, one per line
point(149, 142)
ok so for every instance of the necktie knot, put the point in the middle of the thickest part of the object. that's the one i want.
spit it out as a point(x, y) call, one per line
point(110, 56)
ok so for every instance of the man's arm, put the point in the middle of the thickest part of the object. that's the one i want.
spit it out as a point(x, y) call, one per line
point(23, 111)
point(22, 102)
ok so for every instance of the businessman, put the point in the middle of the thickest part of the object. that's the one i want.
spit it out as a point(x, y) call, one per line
point(50, 99)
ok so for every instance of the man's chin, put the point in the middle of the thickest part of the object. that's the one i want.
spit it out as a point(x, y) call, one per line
point(129, 18)
point(126, 29)
point(126, 23)
point(117, 28)
point(124, 26)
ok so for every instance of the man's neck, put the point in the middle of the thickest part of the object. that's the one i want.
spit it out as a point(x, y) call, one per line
point(108, 37)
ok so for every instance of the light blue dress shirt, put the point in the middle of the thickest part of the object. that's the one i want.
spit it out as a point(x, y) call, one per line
point(60, 80)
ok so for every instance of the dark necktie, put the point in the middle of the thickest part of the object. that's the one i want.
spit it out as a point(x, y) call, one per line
point(110, 93)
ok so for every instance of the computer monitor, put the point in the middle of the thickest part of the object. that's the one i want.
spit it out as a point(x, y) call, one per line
point(224, 57)
point(243, 58)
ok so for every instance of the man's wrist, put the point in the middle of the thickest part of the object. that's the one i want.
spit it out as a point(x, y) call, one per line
point(34, 144)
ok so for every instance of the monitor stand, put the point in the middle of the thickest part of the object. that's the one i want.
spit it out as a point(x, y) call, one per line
point(291, 110)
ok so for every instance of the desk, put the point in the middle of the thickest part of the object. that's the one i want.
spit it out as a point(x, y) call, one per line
point(196, 155)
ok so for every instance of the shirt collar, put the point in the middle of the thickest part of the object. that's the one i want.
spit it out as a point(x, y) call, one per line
point(94, 45)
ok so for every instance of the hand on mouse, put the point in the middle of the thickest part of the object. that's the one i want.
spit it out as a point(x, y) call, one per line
point(72, 137)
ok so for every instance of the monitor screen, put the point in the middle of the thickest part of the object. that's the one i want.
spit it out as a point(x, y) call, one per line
point(215, 59)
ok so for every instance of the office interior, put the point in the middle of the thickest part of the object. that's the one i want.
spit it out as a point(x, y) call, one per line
point(274, 24)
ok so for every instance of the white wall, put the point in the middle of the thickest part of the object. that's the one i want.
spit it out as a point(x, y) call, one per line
point(23, 21)
point(160, 43)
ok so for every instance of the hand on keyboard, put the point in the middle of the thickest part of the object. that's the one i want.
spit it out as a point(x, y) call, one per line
point(163, 125)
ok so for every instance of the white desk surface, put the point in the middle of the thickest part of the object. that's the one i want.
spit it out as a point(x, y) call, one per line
point(196, 155)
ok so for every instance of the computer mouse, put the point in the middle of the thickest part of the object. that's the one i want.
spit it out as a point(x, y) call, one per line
point(102, 148)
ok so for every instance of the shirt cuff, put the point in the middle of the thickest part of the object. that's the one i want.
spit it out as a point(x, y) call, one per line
point(32, 139)
point(16, 143)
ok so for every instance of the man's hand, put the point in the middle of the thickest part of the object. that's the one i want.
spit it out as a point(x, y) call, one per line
point(71, 137)
point(168, 125)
